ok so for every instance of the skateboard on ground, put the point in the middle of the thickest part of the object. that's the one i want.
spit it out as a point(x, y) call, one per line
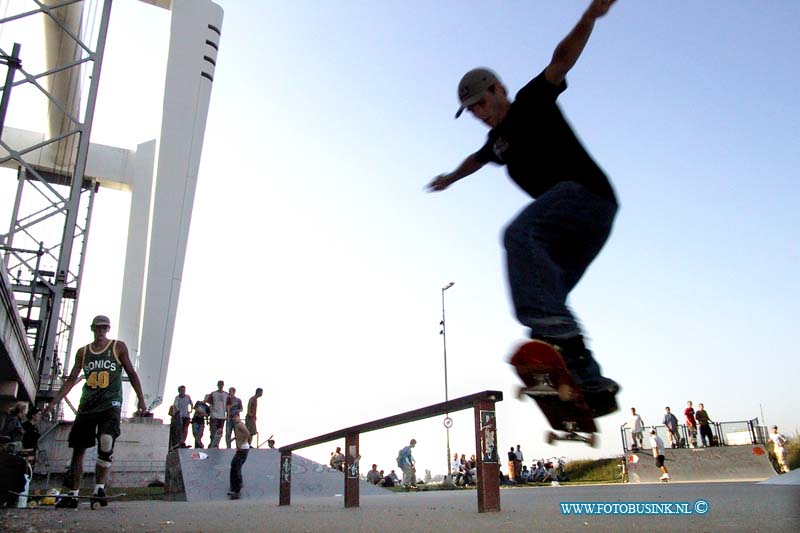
point(549, 383)
point(50, 500)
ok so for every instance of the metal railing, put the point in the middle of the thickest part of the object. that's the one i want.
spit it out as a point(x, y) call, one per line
point(488, 465)
point(735, 433)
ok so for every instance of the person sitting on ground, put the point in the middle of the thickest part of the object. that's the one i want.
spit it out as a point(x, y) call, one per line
point(391, 480)
point(12, 430)
point(540, 472)
point(455, 470)
point(525, 474)
point(550, 473)
point(373, 476)
point(472, 468)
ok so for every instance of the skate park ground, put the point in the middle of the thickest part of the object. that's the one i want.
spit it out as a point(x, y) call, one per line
point(738, 506)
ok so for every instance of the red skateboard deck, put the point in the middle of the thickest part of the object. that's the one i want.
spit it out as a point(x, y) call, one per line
point(549, 383)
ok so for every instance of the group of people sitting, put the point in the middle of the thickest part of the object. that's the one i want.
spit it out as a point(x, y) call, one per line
point(464, 471)
point(539, 472)
point(377, 477)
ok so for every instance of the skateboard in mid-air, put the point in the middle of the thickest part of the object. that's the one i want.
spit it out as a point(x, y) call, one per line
point(50, 500)
point(548, 382)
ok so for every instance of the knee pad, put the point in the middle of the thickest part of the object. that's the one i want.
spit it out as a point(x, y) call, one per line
point(105, 450)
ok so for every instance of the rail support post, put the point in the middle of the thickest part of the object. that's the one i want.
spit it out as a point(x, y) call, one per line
point(352, 457)
point(285, 491)
point(488, 456)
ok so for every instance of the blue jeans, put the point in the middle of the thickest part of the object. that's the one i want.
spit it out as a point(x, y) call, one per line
point(549, 246)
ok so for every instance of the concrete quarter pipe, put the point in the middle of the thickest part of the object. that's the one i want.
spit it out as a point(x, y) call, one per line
point(203, 475)
point(719, 463)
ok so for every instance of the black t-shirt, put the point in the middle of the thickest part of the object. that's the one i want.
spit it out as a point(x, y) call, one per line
point(538, 145)
point(30, 439)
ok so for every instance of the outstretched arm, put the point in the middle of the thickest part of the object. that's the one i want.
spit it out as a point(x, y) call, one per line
point(70, 382)
point(470, 165)
point(569, 50)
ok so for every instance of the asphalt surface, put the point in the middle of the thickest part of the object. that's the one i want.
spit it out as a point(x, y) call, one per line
point(731, 506)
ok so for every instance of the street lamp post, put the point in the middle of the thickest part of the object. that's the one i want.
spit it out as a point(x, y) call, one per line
point(448, 422)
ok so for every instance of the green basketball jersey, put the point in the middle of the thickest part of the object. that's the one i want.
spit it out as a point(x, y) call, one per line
point(103, 373)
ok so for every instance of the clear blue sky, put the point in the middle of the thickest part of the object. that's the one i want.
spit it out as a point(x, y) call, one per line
point(315, 259)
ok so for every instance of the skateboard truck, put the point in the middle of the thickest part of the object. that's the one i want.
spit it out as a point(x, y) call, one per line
point(570, 434)
point(543, 386)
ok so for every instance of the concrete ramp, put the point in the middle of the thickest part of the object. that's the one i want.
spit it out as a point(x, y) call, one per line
point(720, 463)
point(204, 475)
point(789, 478)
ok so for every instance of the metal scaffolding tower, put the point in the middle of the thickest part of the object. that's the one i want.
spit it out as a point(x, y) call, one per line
point(45, 246)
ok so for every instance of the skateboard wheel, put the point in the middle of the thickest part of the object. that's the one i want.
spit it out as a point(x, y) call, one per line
point(32, 504)
point(593, 440)
point(564, 392)
point(549, 437)
point(95, 506)
point(520, 394)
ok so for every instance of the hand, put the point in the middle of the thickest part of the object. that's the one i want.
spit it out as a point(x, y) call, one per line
point(598, 8)
point(439, 183)
point(142, 406)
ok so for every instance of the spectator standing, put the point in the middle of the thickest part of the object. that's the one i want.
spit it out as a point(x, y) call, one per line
point(779, 447)
point(234, 407)
point(637, 428)
point(704, 425)
point(30, 440)
point(337, 459)
point(406, 462)
point(691, 424)
point(242, 449)
point(199, 420)
point(671, 422)
point(658, 452)
point(512, 465)
point(518, 460)
point(252, 409)
point(218, 400)
point(183, 407)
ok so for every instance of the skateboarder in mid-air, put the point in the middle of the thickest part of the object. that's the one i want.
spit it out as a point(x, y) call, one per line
point(553, 240)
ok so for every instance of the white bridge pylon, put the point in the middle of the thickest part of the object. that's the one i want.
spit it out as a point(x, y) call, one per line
point(194, 41)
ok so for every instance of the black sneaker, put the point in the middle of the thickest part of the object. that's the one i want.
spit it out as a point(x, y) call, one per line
point(101, 497)
point(67, 503)
point(583, 367)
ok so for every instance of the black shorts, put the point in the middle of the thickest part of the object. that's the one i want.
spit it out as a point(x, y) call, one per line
point(660, 461)
point(87, 428)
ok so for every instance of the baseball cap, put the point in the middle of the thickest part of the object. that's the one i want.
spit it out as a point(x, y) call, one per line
point(101, 320)
point(472, 86)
